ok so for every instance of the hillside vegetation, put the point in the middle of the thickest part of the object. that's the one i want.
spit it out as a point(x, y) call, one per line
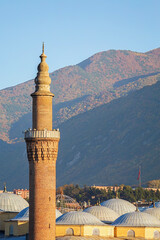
point(103, 146)
point(108, 143)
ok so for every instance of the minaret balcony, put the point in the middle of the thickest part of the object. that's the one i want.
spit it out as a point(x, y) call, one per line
point(41, 134)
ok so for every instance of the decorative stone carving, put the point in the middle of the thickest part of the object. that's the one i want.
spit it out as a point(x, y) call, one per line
point(42, 149)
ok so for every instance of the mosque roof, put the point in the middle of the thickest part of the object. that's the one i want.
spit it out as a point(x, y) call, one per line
point(10, 202)
point(24, 215)
point(153, 211)
point(106, 215)
point(120, 206)
point(137, 219)
point(78, 218)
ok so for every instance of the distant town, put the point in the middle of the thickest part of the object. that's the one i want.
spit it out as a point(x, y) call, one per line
point(95, 194)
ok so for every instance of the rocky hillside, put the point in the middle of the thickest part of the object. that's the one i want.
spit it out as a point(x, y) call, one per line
point(97, 80)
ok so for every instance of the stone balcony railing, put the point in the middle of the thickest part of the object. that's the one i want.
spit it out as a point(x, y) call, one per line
point(41, 134)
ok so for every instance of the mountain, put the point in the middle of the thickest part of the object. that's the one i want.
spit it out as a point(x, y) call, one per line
point(97, 80)
point(14, 165)
point(106, 145)
point(102, 146)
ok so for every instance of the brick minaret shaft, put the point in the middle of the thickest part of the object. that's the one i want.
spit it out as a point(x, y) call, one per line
point(42, 150)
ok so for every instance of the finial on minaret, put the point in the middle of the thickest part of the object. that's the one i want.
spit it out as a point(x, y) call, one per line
point(5, 188)
point(43, 47)
point(116, 194)
point(137, 210)
point(43, 79)
point(154, 204)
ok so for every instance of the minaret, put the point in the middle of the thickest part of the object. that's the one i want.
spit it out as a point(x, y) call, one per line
point(42, 149)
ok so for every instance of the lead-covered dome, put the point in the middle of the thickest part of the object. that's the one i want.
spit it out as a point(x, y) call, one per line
point(78, 218)
point(104, 214)
point(153, 211)
point(120, 206)
point(137, 219)
point(10, 202)
point(24, 215)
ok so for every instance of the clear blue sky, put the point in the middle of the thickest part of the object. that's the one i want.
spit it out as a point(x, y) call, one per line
point(72, 30)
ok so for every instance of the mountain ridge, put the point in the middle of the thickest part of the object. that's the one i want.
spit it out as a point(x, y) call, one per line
point(69, 83)
point(103, 146)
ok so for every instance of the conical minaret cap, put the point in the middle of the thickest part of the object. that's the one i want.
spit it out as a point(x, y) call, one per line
point(43, 80)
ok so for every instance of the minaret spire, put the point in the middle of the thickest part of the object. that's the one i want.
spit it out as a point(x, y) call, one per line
point(43, 47)
point(41, 120)
point(43, 79)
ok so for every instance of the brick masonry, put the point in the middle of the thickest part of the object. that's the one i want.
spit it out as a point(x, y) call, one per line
point(42, 155)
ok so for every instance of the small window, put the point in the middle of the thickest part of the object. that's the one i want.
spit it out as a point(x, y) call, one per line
point(131, 233)
point(156, 235)
point(96, 232)
point(69, 232)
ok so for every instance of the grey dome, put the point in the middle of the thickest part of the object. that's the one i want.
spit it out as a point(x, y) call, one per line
point(78, 218)
point(120, 206)
point(10, 202)
point(153, 211)
point(24, 215)
point(104, 214)
point(137, 219)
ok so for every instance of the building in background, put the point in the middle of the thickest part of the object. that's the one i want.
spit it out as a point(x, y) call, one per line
point(24, 193)
point(107, 188)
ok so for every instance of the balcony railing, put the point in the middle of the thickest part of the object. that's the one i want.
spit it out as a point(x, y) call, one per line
point(41, 134)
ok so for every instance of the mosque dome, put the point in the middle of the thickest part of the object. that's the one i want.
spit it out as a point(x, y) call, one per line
point(104, 214)
point(153, 211)
point(120, 206)
point(137, 219)
point(24, 215)
point(78, 218)
point(10, 202)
